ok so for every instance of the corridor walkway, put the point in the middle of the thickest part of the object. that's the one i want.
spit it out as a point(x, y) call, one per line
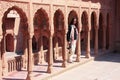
point(39, 71)
point(106, 67)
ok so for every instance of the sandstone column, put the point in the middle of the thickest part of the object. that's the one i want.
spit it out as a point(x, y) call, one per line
point(88, 44)
point(4, 60)
point(78, 48)
point(96, 42)
point(64, 64)
point(25, 60)
point(30, 30)
point(65, 53)
point(104, 39)
point(30, 58)
point(50, 56)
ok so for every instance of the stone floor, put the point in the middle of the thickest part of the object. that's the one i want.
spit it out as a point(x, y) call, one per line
point(39, 71)
point(106, 67)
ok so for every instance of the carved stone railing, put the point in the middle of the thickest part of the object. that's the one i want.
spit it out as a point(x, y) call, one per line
point(57, 53)
point(15, 63)
point(44, 56)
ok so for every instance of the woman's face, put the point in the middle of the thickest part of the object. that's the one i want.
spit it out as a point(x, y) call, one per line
point(74, 21)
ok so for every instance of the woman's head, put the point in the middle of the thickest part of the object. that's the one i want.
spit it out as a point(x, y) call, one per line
point(73, 21)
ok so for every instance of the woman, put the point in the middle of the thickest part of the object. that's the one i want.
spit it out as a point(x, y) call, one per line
point(73, 38)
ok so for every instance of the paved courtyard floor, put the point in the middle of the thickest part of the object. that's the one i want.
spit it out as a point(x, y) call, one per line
point(39, 71)
point(106, 67)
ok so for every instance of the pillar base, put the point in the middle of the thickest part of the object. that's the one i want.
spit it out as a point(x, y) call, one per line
point(49, 70)
point(64, 64)
point(29, 76)
point(77, 59)
point(87, 56)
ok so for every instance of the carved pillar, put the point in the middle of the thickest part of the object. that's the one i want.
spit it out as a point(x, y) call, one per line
point(96, 42)
point(78, 48)
point(50, 56)
point(104, 39)
point(30, 59)
point(25, 54)
point(88, 44)
point(64, 52)
point(30, 30)
point(4, 60)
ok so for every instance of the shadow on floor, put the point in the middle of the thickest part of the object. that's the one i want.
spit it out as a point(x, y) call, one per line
point(109, 57)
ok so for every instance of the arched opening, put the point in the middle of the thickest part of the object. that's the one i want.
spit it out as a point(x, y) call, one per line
point(100, 32)
point(92, 32)
point(9, 43)
point(15, 33)
point(58, 21)
point(108, 32)
point(14, 23)
point(84, 36)
point(41, 33)
point(59, 32)
point(41, 20)
point(72, 15)
point(34, 44)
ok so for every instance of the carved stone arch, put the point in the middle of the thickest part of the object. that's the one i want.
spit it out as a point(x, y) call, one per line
point(23, 17)
point(94, 19)
point(84, 30)
point(41, 20)
point(59, 21)
point(101, 20)
point(72, 14)
point(20, 34)
point(92, 29)
point(84, 21)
